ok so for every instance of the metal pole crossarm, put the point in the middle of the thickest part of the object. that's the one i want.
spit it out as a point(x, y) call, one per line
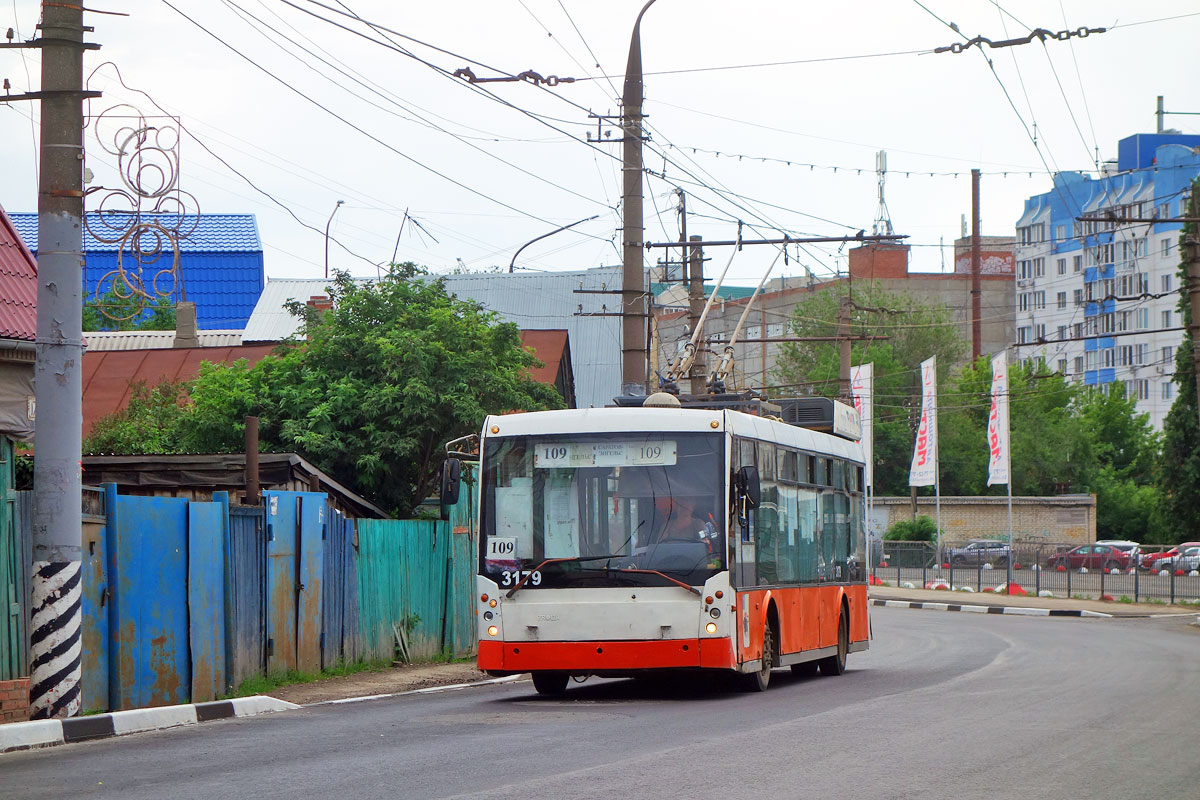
point(47, 41)
point(786, 240)
point(49, 95)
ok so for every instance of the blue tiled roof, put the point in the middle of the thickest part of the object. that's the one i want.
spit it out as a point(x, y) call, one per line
point(221, 263)
point(214, 233)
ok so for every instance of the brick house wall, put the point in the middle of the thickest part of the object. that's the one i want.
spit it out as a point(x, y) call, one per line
point(1036, 520)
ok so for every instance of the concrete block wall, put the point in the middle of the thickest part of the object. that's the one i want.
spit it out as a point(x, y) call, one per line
point(1049, 520)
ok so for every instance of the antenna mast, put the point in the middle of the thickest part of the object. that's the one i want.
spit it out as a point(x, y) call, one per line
point(883, 219)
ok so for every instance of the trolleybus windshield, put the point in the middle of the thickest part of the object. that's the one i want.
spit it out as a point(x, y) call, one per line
point(599, 507)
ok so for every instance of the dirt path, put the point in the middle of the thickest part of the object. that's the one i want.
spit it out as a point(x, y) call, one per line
point(384, 681)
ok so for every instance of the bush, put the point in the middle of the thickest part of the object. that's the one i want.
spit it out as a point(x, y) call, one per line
point(921, 529)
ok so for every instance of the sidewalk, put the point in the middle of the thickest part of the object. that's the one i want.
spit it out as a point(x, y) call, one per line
point(1027, 601)
point(384, 681)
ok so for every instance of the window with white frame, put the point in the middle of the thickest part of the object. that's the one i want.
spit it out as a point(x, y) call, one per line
point(1125, 355)
point(1092, 358)
point(1039, 300)
point(1166, 318)
point(1039, 330)
point(1141, 388)
point(1079, 363)
point(1143, 318)
point(1139, 250)
point(1076, 263)
point(1062, 299)
point(1060, 233)
point(1166, 248)
point(1062, 332)
point(1023, 334)
point(1023, 301)
point(1062, 266)
point(1167, 354)
point(1166, 282)
point(1078, 297)
point(1139, 353)
point(1168, 390)
point(1107, 357)
point(1062, 366)
point(1039, 267)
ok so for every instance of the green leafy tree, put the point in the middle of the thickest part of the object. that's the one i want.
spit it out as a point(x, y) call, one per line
point(111, 312)
point(370, 393)
point(910, 331)
point(921, 529)
point(1180, 472)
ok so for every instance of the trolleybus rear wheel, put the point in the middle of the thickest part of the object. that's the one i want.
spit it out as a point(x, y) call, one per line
point(836, 664)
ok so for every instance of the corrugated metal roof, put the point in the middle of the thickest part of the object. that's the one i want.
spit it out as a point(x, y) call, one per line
point(212, 233)
point(221, 262)
point(108, 377)
point(108, 341)
point(18, 284)
point(533, 301)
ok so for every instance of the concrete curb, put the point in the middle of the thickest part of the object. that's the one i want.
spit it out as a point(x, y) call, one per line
point(50, 732)
point(427, 690)
point(1018, 610)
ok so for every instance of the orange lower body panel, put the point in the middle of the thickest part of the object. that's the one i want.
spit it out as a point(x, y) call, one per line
point(599, 656)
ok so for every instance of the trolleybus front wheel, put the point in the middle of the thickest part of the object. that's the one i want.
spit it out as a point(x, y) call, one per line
point(758, 681)
point(550, 682)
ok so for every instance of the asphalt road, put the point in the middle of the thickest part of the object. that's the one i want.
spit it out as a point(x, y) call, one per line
point(943, 706)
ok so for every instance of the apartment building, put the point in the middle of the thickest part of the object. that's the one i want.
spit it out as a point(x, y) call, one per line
point(1096, 298)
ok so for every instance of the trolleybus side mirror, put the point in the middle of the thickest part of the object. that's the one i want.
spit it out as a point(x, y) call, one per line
point(451, 481)
point(748, 485)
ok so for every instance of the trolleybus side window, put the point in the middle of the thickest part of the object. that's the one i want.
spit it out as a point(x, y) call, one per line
point(767, 521)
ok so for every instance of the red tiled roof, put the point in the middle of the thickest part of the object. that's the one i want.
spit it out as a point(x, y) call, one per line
point(18, 285)
point(549, 347)
point(108, 376)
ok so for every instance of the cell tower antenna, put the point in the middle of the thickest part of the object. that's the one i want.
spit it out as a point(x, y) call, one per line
point(883, 219)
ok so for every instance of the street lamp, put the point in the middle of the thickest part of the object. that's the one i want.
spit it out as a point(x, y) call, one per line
point(327, 224)
point(544, 235)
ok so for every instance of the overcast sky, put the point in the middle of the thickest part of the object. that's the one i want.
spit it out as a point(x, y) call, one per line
point(484, 169)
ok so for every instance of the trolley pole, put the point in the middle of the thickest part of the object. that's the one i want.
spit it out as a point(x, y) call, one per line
point(58, 386)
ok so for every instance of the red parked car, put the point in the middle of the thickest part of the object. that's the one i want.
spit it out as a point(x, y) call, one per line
point(1151, 561)
point(1092, 556)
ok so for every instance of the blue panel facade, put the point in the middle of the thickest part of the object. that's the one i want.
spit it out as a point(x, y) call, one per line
point(221, 262)
point(1139, 151)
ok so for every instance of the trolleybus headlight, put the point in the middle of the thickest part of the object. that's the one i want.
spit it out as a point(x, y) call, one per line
point(714, 613)
point(493, 630)
point(487, 615)
point(711, 627)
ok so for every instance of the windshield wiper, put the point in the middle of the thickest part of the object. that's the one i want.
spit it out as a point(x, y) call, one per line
point(675, 581)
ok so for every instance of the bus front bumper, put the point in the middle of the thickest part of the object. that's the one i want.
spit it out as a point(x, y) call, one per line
point(595, 657)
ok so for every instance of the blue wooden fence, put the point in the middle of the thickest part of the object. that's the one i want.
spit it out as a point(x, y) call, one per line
point(184, 600)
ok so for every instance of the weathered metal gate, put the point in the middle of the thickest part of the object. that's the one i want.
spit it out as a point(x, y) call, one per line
point(339, 592)
point(247, 592)
point(295, 521)
point(14, 575)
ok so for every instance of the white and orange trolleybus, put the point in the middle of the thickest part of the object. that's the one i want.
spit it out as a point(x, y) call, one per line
point(617, 541)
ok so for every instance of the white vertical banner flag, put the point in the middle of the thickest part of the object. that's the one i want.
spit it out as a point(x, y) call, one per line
point(924, 468)
point(862, 389)
point(999, 464)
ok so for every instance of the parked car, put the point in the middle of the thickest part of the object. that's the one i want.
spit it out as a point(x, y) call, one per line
point(978, 552)
point(1187, 559)
point(1124, 545)
point(1153, 561)
point(1092, 556)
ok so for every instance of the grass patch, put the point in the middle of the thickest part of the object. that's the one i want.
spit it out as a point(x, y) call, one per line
point(1125, 599)
point(265, 684)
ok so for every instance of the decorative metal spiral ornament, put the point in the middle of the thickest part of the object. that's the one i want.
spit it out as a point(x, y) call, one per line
point(146, 217)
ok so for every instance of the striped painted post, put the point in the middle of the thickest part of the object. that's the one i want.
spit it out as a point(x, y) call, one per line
point(55, 639)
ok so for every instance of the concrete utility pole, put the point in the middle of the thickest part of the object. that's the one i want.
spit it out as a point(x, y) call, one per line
point(976, 266)
point(633, 279)
point(698, 373)
point(58, 386)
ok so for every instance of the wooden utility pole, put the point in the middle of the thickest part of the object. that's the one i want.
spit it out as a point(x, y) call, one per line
point(1191, 254)
point(843, 336)
point(55, 643)
point(976, 266)
point(633, 279)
